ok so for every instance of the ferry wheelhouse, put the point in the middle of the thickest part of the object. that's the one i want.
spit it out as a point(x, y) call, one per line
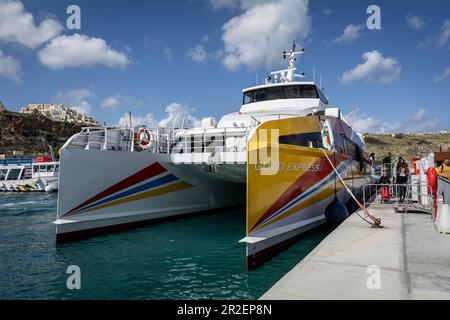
point(270, 156)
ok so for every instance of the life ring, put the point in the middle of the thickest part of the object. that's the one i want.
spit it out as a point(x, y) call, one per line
point(144, 136)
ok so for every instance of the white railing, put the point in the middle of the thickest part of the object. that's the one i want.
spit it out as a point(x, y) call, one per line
point(164, 140)
point(410, 197)
point(101, 138)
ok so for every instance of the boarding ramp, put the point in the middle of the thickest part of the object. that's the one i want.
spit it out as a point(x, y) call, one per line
point(417, 197)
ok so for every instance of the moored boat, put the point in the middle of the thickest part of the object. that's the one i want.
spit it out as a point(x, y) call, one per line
point(28, 175)
point(273, 156)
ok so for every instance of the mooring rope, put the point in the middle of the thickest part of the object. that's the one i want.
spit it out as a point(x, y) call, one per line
point(376, 221)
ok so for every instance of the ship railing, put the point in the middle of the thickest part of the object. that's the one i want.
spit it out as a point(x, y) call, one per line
point(102, 138)
point(414, 196)
point(207, 141)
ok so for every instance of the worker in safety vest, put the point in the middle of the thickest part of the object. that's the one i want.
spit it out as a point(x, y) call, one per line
point(444, 170)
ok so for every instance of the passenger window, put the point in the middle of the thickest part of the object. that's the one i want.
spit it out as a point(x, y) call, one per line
point(309, 92)
point(303, 139)
point(292, 92)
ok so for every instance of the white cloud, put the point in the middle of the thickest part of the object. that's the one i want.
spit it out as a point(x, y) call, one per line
point(415, 22)
point(147, 121)
point(376, 68)
point(445, 33)
point(76, 99)
point(111, 103)
point(178, 114)
point(363, 123)
point(115, 101)
point(351, 33)
point(263, 31)
point(234, 4)
point(419, 122)
point(80, 50)
point(9, 67)
point(442, 76)
point(17, 25)
point(197, 54)
point(168, 53)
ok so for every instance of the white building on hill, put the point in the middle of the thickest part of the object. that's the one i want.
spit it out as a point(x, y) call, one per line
point(58, 112)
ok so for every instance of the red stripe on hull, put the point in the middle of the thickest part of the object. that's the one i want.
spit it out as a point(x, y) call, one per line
point(146, 173)
point(305, 182)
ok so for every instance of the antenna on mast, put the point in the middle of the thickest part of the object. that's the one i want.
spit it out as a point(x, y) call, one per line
point(288, 74)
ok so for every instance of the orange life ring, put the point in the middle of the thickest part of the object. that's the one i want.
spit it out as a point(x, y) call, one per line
point(144, 137)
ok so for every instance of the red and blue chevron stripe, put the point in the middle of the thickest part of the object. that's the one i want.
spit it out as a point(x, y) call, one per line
point(306, 185)
point(123, 191)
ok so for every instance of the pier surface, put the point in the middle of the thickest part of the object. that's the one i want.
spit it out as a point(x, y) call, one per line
point(413, 260)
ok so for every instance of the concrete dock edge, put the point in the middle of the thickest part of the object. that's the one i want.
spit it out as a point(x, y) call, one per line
point(405, 260)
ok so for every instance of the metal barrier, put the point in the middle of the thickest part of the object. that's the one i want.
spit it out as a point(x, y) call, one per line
point(404, 197)
point(444, 189)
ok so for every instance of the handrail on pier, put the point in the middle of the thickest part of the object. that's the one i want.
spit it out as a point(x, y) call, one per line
point(417, 197)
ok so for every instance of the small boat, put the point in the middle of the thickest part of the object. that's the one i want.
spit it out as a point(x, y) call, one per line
point(272, 156)
point(28, 175)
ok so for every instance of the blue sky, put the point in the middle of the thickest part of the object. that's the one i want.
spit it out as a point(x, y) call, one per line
point(161, 59)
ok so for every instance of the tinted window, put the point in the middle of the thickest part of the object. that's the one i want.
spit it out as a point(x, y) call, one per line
point(303, 139)
point(14, 174)
point(308, 92)
point(282, 92)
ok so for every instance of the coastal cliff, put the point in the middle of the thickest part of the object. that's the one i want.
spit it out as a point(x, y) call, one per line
point(24, 132)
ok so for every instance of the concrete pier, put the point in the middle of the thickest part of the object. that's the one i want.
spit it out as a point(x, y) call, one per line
point(413, 260)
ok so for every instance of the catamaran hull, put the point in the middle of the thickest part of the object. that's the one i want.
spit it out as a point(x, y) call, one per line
point(119, 190)
point(289, 193)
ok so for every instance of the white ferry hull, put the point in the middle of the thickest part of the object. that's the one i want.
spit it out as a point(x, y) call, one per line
point(47, 184)
point(118, 190)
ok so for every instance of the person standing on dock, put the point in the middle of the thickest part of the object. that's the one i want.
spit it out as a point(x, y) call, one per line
point(402, 178)
point(384, 181)
point(387, 161)
point(444, 169)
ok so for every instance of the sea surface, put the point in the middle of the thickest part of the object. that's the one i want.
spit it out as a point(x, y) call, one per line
point(192, 258)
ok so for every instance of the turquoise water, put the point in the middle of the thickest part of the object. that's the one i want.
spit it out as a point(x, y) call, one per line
point(193, 258)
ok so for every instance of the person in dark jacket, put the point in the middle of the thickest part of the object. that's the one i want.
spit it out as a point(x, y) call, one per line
point(402, 180)
point(387, 161)
point(402, 164)
point(384, 181)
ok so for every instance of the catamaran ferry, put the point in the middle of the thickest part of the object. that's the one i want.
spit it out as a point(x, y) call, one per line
point(26, 175)
point(279, 155)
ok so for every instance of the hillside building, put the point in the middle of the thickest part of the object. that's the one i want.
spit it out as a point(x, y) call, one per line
point(59, 112)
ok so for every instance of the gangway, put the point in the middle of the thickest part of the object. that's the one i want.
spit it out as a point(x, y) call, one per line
point(417, 197)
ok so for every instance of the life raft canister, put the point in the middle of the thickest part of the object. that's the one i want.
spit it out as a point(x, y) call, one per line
point(144, 136)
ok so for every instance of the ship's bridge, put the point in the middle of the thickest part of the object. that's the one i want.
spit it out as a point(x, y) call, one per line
point(290, 96)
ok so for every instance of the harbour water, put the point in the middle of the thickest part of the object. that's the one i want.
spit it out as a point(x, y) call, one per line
point(193, 258)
